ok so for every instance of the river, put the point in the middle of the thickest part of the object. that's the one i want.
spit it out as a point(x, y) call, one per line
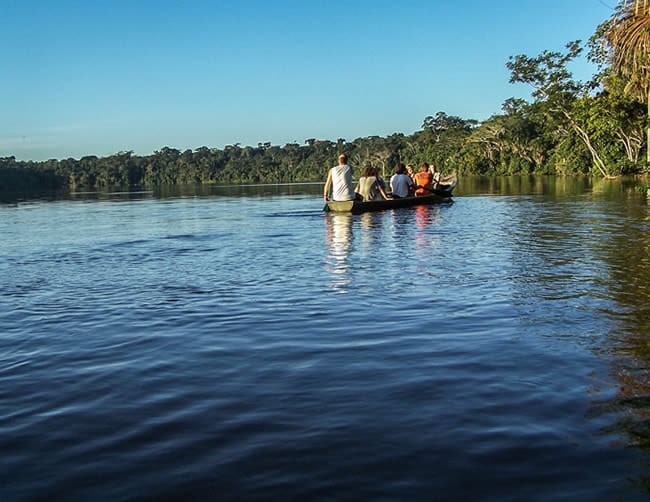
point(238, 343)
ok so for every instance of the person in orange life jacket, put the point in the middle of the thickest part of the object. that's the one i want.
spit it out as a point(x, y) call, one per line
point(400, 182)
point(423, 181)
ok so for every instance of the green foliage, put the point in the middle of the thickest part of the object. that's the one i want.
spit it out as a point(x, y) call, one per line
point(569, 128)
point(524, 140)
point(27, 176)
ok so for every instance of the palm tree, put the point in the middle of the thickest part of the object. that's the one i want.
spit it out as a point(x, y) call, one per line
point(627, 35)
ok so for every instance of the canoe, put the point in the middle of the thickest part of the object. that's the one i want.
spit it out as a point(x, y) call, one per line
point(441, 194)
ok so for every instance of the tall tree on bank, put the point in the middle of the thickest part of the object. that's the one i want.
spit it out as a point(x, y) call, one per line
point(555, 88)
point(626, 36)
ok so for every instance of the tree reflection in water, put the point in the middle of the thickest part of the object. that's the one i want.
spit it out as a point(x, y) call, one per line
point(628, 256)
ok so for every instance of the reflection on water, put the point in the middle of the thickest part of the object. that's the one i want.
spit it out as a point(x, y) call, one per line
point(426, 238)
point(370, 235)
point(422, 217)
point(339, 240)
point(626, 250)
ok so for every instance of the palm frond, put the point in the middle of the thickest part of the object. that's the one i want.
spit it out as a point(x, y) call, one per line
point(628, 36)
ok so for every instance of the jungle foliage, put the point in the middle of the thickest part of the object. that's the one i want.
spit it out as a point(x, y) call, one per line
point(568, 127)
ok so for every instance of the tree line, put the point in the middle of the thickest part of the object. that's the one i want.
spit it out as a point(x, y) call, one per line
point(567, 127)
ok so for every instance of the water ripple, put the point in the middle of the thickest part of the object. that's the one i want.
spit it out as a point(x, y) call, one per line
point(194, 351)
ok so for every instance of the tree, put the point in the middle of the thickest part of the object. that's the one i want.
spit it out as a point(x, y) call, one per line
point(553, 84)
point(442, 122)
point(512, 143)
point(626, 37)
point(620, 118)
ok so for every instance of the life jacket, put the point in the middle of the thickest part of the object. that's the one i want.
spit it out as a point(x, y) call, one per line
point(423, 179)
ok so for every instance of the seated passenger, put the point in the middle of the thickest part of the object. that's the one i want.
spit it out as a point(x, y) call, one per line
point(410, 171)
point(423, 181)
point(368, 186)
point(400, 183)
point(436, 175)
point(339, 181)
point(380, 180)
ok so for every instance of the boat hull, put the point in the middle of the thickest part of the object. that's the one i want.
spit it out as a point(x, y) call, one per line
point(356, 206)
point(442, 193)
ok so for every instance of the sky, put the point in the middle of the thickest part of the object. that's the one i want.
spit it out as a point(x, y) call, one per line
point(97, 77)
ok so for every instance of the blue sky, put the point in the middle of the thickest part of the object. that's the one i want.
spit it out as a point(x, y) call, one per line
point(95, 77)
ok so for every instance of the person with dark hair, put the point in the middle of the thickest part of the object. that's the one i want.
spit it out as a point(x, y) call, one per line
point(400, 183)
point(380, 180)
point(339, 180)
point(368, 185)
point(435, 175)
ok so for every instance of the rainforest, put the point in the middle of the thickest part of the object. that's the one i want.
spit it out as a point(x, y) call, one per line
point(566, 127)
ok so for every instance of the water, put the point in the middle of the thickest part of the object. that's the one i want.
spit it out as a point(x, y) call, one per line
point(239, 343)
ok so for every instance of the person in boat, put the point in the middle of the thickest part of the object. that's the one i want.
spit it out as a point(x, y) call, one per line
point(423, 181)
point(401, 184)
point(410, 171)
point(435, 174)
point(411, 174)
point(368, 186)
point(380, 180)
point(339, 181)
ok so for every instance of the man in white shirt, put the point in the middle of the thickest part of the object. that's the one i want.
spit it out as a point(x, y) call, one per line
point(339, 179)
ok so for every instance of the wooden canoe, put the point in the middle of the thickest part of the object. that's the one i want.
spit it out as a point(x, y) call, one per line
point(440, 194)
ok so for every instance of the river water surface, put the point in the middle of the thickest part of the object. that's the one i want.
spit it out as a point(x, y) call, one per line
point(239, 343)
